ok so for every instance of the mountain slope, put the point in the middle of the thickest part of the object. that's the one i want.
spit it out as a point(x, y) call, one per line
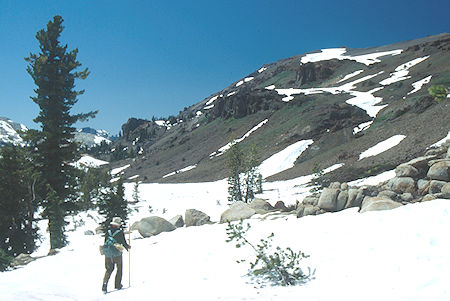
point(321, 96)
point(9, 131)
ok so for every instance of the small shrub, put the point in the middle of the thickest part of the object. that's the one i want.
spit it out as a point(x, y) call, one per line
point(439, 92)
point(281, 267)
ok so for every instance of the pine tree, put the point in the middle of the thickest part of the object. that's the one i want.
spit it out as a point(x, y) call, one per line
point(17, 202)
point(92, 181)
point(136, 197)
point(54, 73)
point(235, 162)
point(113, 203)
point(251, 174)
point(244, 180)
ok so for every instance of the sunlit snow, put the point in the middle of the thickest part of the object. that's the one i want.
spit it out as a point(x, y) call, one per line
point(88, 161)
point(402, 71)
point(196, 263)
point(351, 75)
point(419, 84)
point(284, 159)
point(442, 141)
point(338, 53)
point(212, 100)
point(382, 146)
point(180, 171)
point(223, 149)
point(118, 170)
point(364, 100)
point(362, 127)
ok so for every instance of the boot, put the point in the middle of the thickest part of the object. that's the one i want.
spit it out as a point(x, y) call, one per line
point(104, 288)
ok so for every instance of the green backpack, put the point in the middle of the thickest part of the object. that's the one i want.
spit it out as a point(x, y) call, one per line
point(109, 248)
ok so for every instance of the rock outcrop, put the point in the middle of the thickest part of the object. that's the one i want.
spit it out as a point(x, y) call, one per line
point(421, 179)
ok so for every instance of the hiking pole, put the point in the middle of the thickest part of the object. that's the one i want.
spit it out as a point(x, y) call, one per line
point(129, 255)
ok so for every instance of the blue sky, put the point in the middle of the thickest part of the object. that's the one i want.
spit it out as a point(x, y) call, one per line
point(153, 58)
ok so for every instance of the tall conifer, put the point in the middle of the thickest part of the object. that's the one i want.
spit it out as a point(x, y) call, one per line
point(53, 70)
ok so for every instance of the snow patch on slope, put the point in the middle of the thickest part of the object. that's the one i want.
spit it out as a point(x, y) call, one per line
point(118, 170)
point(382, 146)
point(88, 161)
point(180, 171)
point(351, 75)
point(338, 53)
point(284, 159)
point(402, 71)
point(223, 149)
point(364, 100)
point(419, 84)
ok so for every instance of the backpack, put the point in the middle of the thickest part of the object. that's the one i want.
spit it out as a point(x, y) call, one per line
point(111, 248)
point(111, 241)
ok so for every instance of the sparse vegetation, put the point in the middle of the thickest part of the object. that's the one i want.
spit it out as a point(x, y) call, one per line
point(439, 92)
point(279, 267)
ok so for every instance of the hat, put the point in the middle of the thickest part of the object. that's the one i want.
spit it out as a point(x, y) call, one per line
point(116, 221)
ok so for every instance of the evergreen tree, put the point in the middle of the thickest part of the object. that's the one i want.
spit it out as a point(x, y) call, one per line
point(235, 162)
point(17, 203)
point(251, 174)
point(92, 181)
point(53, 70)
point(244, 180)
point(136, 197)
point(113, 203)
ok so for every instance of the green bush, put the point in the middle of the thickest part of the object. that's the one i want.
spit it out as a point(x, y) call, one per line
point(439, 92)
point(281, 267)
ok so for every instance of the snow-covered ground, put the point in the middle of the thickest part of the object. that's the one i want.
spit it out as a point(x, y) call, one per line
point(356, 256)
point(400, 254)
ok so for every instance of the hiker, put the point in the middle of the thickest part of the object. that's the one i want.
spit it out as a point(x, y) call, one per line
point(113, 252)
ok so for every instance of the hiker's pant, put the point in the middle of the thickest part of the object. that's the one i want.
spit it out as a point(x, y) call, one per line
point(109, 265)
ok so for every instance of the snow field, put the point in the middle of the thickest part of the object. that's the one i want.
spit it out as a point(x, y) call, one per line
point(399, 254)
point(356, 256)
